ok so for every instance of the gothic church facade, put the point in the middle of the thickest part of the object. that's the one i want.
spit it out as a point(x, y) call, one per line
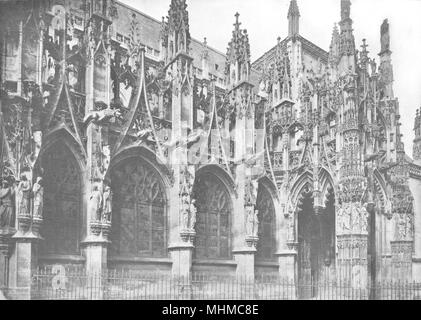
point(128, 144)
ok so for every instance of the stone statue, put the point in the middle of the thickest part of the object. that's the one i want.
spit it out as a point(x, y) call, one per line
point(107, 204)
point(95, 202)
point(185, 209)
point(256, 223)
point(6, 205)
point(250, 220)
point(38, 193)
point(193, 214)
point(23, 196)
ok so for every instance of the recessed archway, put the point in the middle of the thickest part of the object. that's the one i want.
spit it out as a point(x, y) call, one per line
point(266, 246)
point(62, 211)
point(214, 210)
point(139, 222)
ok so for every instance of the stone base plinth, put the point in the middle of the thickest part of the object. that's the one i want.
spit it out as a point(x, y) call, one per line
point(181, 256)
point(245, 263)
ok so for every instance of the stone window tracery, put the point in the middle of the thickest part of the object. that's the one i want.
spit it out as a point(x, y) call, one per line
point(139, 226)
point(266, 245)
point(213, 226)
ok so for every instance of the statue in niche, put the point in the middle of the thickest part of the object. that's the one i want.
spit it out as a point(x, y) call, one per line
point(6, 205)
point(95, 202)
point(23, 196)
point(107, 204)
point(38, 194)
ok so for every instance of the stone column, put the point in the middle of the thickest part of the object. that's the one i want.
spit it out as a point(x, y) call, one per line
point(352, 246)
point(23, 262)
point(4, 260)
point(182, 218)
point(415, 187)
point(24, 254)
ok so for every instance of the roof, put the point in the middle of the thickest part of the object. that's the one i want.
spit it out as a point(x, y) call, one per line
point(150, 28)
point(307, 46)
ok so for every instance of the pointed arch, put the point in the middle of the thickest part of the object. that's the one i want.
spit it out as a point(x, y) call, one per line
point(298, 186)
point(214, 201)
point(149, 155)
point(326, 183)
point(222, 174)
point(62, 165)
point(381, 188)
point(140, 188)
point(265, 204)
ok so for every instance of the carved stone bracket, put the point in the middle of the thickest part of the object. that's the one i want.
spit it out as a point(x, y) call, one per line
point(188, 235)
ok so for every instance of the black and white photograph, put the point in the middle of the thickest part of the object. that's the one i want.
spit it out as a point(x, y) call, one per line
point(196, 150)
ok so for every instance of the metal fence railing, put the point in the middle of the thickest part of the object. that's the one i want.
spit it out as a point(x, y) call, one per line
point(122, 285)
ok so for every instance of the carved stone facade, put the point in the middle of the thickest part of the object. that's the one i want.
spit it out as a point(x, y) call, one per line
point(121, 147)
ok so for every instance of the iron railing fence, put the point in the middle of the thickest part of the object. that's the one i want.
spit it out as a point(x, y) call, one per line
point(129, 285)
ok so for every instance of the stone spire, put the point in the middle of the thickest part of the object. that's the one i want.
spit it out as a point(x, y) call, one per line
point(346, 40)
point(175, 33)
point(238, 55)
point(386, 68)
point(417, 141)
point(293, 19)
point(334, 46)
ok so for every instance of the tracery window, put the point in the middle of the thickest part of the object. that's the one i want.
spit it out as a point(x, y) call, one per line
point(266, 245)
point(62, 202)
point(213, 226)
point(139, 226)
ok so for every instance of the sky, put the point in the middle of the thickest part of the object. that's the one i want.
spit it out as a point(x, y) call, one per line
point(266, 20)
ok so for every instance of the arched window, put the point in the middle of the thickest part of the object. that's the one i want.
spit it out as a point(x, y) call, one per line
point(213, 226)
point(139, 226)
point(62, 202)
point(266, 245)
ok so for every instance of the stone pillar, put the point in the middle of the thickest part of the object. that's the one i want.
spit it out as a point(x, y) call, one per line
point(288, 264)
point(23, 262)
point(415, 187)
point(181, 257)
point(352, 247)
point(401, 260)
point(4, 260)
point(24, 254)
point(245, 263)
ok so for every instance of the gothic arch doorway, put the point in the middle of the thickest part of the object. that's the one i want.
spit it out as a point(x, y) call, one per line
point(316, 238)
point(139, 222)
point(266, 246)
point(62, 211)
point(213, 226)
